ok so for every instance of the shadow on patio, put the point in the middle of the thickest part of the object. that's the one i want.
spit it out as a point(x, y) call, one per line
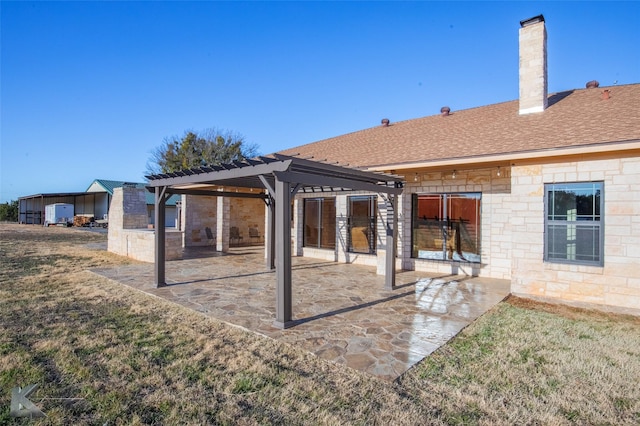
point(342, 312)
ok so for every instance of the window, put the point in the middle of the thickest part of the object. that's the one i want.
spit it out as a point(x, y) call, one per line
point(446, 226)
point(573, 223)
point(320, 223)
point(362, 224)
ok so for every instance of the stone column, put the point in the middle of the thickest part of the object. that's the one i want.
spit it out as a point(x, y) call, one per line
point(222, 224)
point(298, 226)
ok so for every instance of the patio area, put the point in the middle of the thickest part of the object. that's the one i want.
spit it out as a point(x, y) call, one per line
point(342, 312)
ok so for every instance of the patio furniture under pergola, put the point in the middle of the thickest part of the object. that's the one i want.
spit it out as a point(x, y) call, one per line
point(282, 177)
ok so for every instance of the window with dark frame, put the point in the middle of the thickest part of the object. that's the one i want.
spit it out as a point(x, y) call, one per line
point(319, 223)
point(361, 232)
point(446, 226)
point(573, 226)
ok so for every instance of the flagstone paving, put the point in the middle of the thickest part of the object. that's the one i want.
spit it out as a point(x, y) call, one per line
point(342, 312)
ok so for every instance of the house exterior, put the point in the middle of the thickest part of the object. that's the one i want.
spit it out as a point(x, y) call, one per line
point(543, 191)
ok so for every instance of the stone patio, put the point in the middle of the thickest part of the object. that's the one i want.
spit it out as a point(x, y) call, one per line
point(342, 312)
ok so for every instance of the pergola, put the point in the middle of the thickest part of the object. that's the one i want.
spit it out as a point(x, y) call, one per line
point(282, 177)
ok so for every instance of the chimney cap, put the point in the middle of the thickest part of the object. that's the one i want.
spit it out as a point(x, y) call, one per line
point(531, 21)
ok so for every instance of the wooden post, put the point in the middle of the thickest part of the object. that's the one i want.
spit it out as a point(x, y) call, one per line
point(159, 205)
point(391, 243)
point(283, 255)
point(271, 227)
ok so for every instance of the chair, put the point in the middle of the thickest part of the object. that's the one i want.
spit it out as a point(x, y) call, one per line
point(210, 238)
point(234, 234)
point(253, 233)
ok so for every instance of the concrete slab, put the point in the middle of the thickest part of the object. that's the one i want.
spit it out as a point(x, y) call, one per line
point(342, 312)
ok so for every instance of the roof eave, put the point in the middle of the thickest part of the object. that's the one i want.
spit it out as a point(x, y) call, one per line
point(513, 156)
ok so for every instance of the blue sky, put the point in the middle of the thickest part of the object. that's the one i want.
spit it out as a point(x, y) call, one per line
point(89, 89)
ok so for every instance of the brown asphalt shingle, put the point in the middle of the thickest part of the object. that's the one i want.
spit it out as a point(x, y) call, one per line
point(574, 118)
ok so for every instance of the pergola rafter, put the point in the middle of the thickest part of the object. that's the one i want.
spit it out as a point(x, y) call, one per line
point(282, 177)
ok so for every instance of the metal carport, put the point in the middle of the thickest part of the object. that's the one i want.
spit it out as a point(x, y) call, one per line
point(282, 177)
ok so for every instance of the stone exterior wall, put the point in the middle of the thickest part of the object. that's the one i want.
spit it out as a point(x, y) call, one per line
point(139, 244)
point(297, 228)
point(248, 213)
point(128, 228)
point(495, 225)
point(340, 253)
point(128, 210)
point(615, 284)
point(495, 216)
point(198, 213)
point(220, 214)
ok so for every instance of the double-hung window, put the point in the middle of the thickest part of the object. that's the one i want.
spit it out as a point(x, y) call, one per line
point(574, 231)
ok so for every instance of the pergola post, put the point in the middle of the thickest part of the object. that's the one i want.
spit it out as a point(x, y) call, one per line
point(270, 244)
point(283, 254)
point(391, 243)
point(159, 213)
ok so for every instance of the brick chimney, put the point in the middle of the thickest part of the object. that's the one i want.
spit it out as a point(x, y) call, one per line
point(533, 65)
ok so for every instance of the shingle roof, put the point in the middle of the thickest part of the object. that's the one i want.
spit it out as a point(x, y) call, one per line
point(573, 119)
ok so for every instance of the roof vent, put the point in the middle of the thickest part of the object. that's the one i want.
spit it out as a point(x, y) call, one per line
point(606, 94)
point(385, 122)
point(445, 110)
point(592, 84)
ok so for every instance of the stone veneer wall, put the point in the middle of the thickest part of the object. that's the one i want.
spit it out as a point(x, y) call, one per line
point(615, 284)
point(248, 213)
point(297, 228)
point(495, 216)
point(495, 224)
point(128, 234)
point(139, 244)
point(198, 213)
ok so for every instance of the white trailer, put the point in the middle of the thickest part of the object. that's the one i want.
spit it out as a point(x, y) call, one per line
point(58, 214)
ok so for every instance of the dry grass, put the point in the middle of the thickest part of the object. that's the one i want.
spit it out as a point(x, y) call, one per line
point(135, 359)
